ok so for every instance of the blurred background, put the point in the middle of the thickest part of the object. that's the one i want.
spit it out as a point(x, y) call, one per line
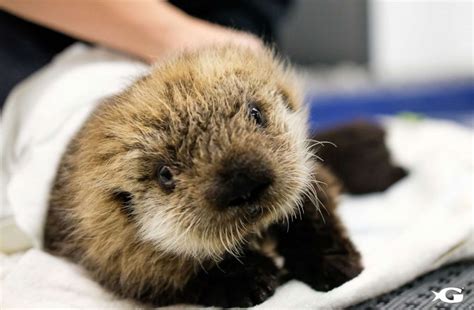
point(366, 57)
point(358, 57)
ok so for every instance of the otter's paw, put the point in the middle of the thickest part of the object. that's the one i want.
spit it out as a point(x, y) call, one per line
point(335, 270)
point(243, 283)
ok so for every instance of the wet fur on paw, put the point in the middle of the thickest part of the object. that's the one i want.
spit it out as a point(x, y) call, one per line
point(358, 156)
point(238, 282)
point(316, 247)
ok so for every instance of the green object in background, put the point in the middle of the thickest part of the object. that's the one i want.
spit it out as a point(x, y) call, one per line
point(411, 116)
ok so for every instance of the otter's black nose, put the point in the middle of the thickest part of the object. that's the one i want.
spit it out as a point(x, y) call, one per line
point(237, 187)
point(244, 188)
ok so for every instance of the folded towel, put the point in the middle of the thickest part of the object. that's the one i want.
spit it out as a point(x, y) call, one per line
point(40, 117)
point(417, 225)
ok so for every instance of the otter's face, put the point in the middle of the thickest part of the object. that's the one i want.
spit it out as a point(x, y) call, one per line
point(207, 149)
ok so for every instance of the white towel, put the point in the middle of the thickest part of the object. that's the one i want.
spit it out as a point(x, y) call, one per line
point(417, 225)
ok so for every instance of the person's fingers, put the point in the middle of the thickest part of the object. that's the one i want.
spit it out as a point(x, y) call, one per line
point(200, 34)
point(251, 42)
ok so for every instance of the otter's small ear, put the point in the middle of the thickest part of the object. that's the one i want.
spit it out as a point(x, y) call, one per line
point(286, 99)
point(126, 202)
point(289, 92)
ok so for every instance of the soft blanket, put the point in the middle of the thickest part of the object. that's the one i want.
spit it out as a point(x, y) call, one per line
point(422, 222)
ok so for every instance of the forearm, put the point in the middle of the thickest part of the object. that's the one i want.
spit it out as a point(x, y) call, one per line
point(138, 27)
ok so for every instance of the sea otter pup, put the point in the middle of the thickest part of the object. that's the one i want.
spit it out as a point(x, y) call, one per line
point(198, 184)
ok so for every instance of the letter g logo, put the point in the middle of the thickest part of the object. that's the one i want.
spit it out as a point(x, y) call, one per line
point(441, 295)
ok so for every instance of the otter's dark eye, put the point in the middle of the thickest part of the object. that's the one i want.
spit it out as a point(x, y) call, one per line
point(256, 115)
point(165, 177)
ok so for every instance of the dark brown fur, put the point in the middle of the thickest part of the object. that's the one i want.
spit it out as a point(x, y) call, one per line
point(357, 154)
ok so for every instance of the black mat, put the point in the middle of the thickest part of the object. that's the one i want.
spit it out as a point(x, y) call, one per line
point(418, 295)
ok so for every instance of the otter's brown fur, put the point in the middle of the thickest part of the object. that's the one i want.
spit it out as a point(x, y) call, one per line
point(151, 241)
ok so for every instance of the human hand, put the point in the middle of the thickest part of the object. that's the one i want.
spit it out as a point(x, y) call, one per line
point(183, 32)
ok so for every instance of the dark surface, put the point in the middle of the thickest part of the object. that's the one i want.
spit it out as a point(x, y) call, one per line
point(417, 294)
